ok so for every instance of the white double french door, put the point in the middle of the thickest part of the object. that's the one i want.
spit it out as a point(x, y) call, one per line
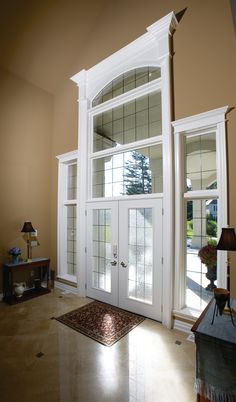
point(124, 249)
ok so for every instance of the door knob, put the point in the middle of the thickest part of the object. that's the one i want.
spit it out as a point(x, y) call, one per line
point(123, 264)
point(114, 263)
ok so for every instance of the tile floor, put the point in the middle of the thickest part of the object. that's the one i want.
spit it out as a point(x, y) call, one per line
point(144, 366)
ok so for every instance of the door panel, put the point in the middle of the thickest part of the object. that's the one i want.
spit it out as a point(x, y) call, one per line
point(102, 273)
point(125, 255)
point(140, 256)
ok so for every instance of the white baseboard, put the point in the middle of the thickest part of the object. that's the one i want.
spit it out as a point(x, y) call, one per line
point(182, 326)
point(65, 287)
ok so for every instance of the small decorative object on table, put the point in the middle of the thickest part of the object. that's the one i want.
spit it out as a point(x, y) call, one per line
point(15, 252)
point(19, 288)
point(208, 256)
point(222, 296)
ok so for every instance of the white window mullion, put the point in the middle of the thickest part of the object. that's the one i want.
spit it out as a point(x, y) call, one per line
point(180, 257)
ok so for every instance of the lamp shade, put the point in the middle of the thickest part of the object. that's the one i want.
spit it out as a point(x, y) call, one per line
point(27, 227)
point(227, 240)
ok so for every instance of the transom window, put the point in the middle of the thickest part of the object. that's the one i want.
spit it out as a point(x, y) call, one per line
point(139, 120)
point(127, 81)
point(138, 171)
point(132, 121)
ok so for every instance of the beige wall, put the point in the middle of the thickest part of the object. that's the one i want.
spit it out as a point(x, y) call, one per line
point(25, 169)
point(204, 78)
point(204, 67)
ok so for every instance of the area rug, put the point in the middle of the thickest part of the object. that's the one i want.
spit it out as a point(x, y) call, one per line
point(102, 322)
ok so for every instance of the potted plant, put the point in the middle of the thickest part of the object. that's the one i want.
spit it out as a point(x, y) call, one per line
point(15, 252)
point(208, 256)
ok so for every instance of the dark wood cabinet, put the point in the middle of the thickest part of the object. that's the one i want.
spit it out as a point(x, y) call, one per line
point(41, 268)
point(215, 356)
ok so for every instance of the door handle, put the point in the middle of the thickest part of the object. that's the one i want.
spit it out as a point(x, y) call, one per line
point(114, 263)
point(123, 264)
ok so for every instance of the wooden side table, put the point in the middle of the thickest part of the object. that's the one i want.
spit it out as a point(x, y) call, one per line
point(215, 356)
point(40, 265)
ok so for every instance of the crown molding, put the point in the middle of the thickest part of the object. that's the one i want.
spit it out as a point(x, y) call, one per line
point(166, 24)
point(202, 119)
point(145, 50)
point(68, 156)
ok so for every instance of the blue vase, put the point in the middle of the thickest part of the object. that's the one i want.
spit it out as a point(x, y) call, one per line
point(15, 259)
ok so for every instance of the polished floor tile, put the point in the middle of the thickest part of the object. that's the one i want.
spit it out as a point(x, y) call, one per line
point(42, 360)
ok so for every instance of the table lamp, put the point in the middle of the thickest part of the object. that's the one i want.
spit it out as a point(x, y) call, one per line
point(227, 242)
point(28, 228)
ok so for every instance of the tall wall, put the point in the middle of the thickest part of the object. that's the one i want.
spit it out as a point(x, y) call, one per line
point(25, 168)
point(204, 69)
point(36, 126)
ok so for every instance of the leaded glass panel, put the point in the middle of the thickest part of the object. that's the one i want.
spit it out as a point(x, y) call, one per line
point(101, 271)
point(127, 81)
point(140, 249)
point(133, 121)
point(134, 172)
point(201, 162)
point(201, 231)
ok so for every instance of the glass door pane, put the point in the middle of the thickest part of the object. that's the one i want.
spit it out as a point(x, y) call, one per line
point(140, 263)
point(71, 239)
point(102, 252)
point(140, 248)
point(101, 271)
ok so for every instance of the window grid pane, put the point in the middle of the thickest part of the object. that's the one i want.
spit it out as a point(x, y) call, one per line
point(133, 121)
point(201, 162)
point(72, 182)
point(140, 248)
point(101, 266)
point(127, 81)
point(71, 239)
point(134, 172)
point(201, 231)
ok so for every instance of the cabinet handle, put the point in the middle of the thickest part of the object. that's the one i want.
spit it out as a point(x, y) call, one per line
point(123, 264)
point(114, 263)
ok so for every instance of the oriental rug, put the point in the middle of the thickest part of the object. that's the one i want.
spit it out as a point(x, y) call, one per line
point(102, 322)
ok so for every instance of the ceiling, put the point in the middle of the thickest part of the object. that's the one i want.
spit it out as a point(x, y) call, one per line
point(46, 42)
point(41, 41)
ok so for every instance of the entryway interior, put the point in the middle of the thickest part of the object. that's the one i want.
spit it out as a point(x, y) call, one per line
point(46, 360)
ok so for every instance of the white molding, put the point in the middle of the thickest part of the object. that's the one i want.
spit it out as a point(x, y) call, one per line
point(68, 278)
point(65, 287)
point(145, 50)
point(168, 22)
point(182, 326)
point(201, 194)
point(68, 156)
point(128, 147)
point(127, 197)
point(200, 120)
